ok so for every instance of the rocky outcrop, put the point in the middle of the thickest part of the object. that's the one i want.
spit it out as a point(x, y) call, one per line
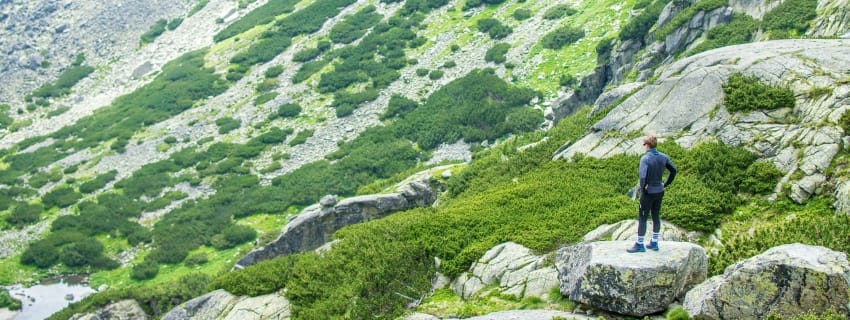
point(222, 305)
point(121, 310)
point(604, 276)
point(315, 225)
point(802, 139)
point(753, 8)
point(842, 197)
point(513, 267)
point(788, 280)
point(833, 19)
point(627, 230)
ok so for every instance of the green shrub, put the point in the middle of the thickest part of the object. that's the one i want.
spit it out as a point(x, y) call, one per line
point(435, 74)
point(61, 197)
point(155, 31)
point(746, 93)
point(739, 30)
point(559, 11)
point(561, 37)
point(262, 278)
point(522, 14)
point(273, 72)
point(147, 269)
point(498, 53)
point(6, 301)
point(265, 86)
point(494, 28)
point(678, 313)
point(262, 15)
point(301, 137)
point(422, 72)
point(638, 27)
point(761, 177)
point(63, 84)
point(353, 27)
point(469, 4)
point(306, 55)
point(288, 110)
point(227, 124)
point(397, 106)
point(684, 17)
point(792, 17)
point(567, 80)
point(454, 47)
point(265, 97)
point(24, 214)
point(449, 64)
point(98, 182)
point(307, 70)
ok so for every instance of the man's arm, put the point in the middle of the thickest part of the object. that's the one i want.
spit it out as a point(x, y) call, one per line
point(642, 173)
point(672, 168)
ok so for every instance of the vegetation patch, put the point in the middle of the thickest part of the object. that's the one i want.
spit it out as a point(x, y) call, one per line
point(559, 11)
point(6, 301)
point(497, 53)
point(638, 27)
point(561, 37)
point(739, 30)
point(790, 18)
point(747, 93)
point(69, 77)
point(684, 17)
point(262, 15)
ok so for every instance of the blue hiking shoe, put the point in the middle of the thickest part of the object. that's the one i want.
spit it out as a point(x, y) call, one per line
point(636, 248)
point(653, 245)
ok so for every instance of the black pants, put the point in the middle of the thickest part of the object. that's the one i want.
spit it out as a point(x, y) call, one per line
point(650, 203)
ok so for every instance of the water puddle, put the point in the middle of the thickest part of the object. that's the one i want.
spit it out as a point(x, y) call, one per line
point(51, 295)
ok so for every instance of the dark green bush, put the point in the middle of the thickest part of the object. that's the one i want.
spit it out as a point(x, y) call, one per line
point(435, 74)
point(449, 64)
point(739, 30)
point(24, 214)
point(173, 24)
point(232, 236)
point(6, 301)
point(567, 80)
point(262, 278)
point(522, 14)
point(559, 11)
point(288, 110)
point(301, 137)
point(422, 72)
point(469, 4)
point(145, 270)
point(761, 177)
point(638, 27)
point(345, 103)
point(494, 28)
point(685, 15)
point(791, 16)
point(746, 93)
point(273, 72)
point(397, 106)
point(98, 182)
point(197, 259)
point(262, 15)
point(306, 55)
point(308, 69)
point(63, 84)
point(60, 197)
point(155, 31)
point(265, 97)
point(497, 53)
point(844, 122)
point(354, 26)
point(561, 37)
point(227, 124)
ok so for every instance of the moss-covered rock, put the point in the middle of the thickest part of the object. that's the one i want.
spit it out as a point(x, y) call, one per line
point(789, 280)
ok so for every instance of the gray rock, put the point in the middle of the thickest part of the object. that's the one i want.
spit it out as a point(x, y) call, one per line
point(604, 276)
point(328, 201)
point(121, 310)
point(514, 267)
point(315, 225)
point(753, 8)
point(627, 230)
point(807, 186)
point(420, 316)
point(842, 197)
point(608, 98)
point(220, 304)
point(833, 19)
point(789, 280)
point(529, 315)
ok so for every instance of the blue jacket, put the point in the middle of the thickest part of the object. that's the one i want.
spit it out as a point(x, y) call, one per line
point(652, 166)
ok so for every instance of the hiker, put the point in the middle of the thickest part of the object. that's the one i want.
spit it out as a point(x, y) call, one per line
point(651, 191)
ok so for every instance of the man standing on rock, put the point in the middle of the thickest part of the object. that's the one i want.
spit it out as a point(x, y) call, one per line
point(652, 166)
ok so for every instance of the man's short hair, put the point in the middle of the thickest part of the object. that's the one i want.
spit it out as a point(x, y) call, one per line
point(650, 140)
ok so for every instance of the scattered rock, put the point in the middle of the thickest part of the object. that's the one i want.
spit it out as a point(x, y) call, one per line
point(514, 267)
point(121, 310)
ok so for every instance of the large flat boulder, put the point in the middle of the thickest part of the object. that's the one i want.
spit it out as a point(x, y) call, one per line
point(788, 280)
point(121, 310)
point(604, 276)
